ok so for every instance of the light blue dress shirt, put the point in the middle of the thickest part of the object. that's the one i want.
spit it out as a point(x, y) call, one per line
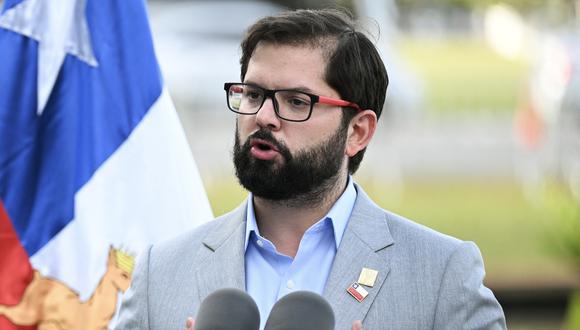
point(271, 275)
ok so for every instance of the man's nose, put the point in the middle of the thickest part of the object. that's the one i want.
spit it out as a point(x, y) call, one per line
point(266, 116)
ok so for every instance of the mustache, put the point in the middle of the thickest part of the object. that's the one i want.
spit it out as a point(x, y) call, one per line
point(267, 136)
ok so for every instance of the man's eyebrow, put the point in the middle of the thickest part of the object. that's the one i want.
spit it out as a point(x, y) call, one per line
point(302, 89)
point(297, 88)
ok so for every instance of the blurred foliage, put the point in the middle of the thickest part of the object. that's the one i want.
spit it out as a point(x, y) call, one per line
point(455, 71)
point(554, 10)
point(565, 212)
point(565, 215)
point(573, 313)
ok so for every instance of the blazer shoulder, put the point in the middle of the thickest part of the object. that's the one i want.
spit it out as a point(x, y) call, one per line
point(411, 232)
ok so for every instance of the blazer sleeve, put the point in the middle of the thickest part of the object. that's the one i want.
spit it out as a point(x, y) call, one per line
point(463, 301)
point(134, 307)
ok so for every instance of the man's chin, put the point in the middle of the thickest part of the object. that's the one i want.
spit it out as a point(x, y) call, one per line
point(261, 189)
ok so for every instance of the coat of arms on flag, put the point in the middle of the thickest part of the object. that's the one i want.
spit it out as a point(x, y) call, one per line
point(50, 301)
point(94, 164)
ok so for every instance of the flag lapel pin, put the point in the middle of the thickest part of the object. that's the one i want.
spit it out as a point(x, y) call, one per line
point(357, 291)
point(367, 277)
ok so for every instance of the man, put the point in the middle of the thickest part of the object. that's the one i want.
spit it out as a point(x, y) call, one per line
point(312, 90)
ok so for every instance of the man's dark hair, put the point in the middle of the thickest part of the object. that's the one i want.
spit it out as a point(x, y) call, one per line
point(354, 68)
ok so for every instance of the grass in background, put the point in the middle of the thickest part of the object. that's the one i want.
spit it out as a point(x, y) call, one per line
point(463, 75)
point(516, 236)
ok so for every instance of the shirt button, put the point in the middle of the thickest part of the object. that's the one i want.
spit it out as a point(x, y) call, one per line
point(290, 284)
point(260, 243)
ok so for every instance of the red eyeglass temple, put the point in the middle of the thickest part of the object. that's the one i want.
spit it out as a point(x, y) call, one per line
point(340, 103)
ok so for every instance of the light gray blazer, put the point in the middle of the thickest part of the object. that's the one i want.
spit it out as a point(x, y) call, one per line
point(426, 280)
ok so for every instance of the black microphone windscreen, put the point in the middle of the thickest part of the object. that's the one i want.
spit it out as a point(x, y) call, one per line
point(301, 310)
point(228, 309)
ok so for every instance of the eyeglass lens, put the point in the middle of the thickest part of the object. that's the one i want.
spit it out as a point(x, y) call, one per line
point(248, 99)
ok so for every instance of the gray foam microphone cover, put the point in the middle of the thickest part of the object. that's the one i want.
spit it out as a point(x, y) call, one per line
point(301, 310)
point(228, 309)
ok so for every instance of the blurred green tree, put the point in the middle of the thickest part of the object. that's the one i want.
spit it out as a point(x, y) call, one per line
point(566, 214)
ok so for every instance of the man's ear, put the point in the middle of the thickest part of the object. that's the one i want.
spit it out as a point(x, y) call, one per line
point(360, 131)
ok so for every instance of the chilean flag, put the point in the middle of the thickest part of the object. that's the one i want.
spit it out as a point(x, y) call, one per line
point(94, 164)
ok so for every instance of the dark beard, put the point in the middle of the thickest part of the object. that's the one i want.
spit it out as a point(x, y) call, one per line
point(304, 178)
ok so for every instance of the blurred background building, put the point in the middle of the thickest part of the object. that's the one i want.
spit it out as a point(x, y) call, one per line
point(480, 137)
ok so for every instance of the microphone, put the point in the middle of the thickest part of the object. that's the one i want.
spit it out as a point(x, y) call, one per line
point(228, 309)
point(301, 310)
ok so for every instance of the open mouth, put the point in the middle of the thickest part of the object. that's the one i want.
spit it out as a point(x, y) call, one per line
point(263, 145)
point(263, 150)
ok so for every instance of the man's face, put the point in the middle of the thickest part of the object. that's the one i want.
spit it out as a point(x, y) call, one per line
point(281, 160)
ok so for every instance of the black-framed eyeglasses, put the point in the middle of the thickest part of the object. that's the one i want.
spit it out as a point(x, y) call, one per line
point(289, 104)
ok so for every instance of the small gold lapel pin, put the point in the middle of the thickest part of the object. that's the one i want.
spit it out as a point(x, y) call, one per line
point(368, 277)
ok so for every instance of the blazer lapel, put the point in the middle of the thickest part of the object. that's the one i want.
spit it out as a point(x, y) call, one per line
point(222, 258)
point(364, 240)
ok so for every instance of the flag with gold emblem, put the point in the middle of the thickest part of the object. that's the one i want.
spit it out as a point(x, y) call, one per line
point(94, 164)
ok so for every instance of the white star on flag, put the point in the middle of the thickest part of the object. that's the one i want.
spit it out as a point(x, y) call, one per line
point(60, 27)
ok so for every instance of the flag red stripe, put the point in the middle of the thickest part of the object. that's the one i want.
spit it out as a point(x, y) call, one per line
point(15, 268)
point(355, 294)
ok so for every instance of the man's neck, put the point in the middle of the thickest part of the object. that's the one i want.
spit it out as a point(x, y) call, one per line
point(284, 222)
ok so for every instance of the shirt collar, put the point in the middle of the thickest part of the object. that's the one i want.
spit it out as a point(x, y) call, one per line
point(338, 214)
